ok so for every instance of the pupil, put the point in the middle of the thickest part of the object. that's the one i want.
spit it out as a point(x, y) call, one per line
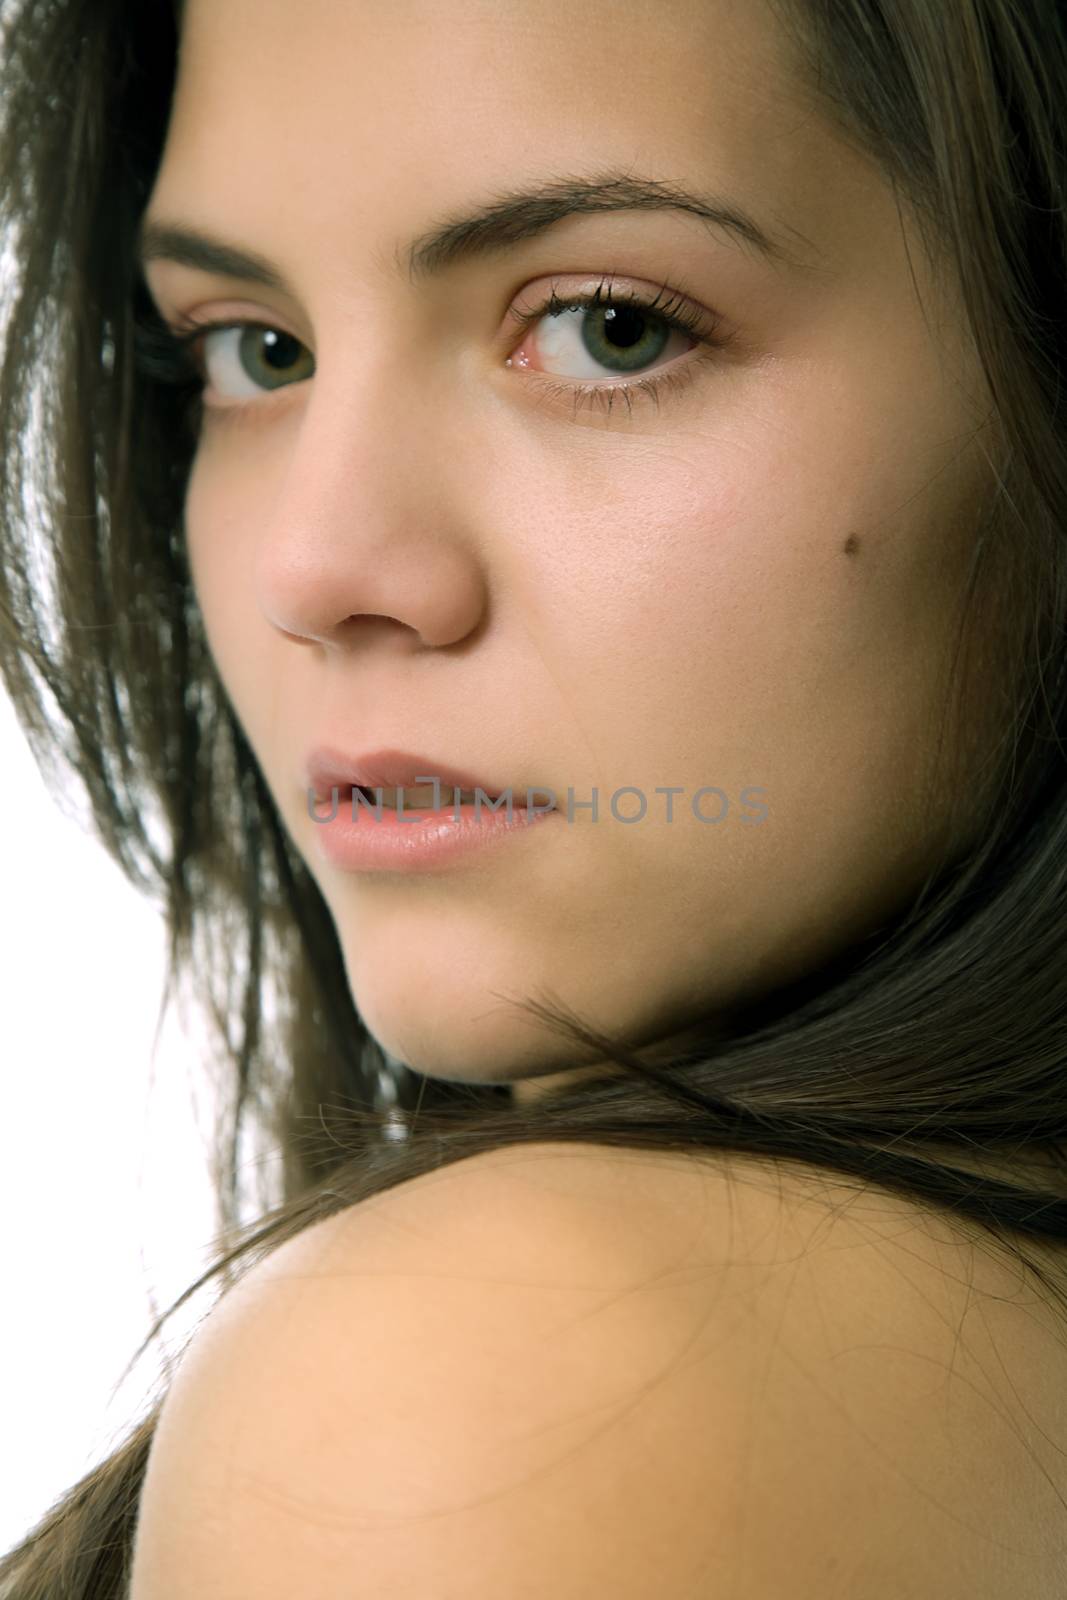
point(281, 349)
point(624, 326)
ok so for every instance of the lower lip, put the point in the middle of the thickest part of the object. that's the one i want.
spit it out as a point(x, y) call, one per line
point(423, 841)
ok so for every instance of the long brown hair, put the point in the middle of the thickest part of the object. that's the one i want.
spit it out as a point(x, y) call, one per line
point(929, 1059)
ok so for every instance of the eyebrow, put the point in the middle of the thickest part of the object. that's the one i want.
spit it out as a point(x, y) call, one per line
point(518, 216)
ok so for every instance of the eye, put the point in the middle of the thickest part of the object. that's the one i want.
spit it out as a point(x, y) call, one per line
point(239, 361)
point(609, 334)
point(242, 359)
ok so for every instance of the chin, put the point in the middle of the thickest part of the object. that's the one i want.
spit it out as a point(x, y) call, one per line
point(451, 1009)
point(463, 1050)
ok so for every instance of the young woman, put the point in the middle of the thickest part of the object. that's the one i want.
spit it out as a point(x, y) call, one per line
point(650, 418)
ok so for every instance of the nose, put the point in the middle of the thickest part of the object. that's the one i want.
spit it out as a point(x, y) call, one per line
point(361, 532)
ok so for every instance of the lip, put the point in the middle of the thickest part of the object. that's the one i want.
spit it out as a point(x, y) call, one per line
point(380, 839)
point(327, 767)
point(372, 837)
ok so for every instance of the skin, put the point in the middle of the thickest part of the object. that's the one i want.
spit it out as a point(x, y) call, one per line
point(754, 583)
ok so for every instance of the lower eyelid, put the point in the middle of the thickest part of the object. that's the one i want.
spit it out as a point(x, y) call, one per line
point(676, 377)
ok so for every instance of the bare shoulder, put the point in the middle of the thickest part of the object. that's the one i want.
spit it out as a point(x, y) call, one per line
point(569, 1368)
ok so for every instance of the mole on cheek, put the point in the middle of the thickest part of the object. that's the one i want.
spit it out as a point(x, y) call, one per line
point(852, 545)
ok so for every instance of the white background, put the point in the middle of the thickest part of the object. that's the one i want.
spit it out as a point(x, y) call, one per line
point(105, 1196)
point(104, 1187)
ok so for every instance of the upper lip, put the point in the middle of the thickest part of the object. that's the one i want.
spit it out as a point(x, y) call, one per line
point(329, 768)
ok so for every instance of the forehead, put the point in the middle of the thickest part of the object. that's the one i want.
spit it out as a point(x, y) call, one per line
point(604, 57)
point(405, 108)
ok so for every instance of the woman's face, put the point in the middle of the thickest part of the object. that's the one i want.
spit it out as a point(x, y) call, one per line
point(540, 570)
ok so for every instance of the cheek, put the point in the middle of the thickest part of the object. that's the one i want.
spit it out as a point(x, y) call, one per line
point(623, 562)
point(680, 577)
point(223, 508)
point(769, 594)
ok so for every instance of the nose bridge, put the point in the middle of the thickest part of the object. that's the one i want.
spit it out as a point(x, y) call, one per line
point(368, 521)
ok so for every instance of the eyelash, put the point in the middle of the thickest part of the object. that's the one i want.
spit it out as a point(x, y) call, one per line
point(170, 355)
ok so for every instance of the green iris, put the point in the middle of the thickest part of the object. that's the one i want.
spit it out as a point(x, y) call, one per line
point(623, 337)
point(267, 353)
